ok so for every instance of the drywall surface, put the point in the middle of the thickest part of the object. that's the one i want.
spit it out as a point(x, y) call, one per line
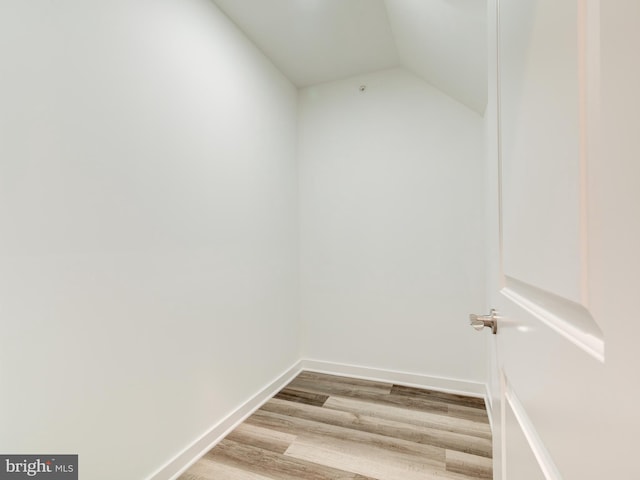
point(392, 208)
point(148, 232)
point(444, 43)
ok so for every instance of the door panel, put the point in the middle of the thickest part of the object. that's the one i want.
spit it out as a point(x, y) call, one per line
point(541, 210)
point(553, 382)
point(548, 340)
point(521, 461)
point(568, 261)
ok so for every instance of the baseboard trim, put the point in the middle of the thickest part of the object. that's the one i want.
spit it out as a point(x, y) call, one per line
point(442, 384)
point(181, 462)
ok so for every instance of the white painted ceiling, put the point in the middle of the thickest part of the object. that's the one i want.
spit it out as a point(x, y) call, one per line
point(316, 41)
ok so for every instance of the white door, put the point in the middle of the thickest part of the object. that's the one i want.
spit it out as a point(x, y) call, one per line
point(566, 359)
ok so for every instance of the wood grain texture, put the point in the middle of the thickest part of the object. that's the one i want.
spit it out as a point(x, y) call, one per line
point(268, 438)
point(412, 417)
point(472, 465)
point(322, 427)
point(301, 396)
point(448, 398)
point(430, 454)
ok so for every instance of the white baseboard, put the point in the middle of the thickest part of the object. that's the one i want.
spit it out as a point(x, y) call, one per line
point(181, 462)
point(448, 385)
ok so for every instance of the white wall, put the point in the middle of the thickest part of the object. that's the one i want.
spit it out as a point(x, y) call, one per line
point(148, 232)
point(392, 193)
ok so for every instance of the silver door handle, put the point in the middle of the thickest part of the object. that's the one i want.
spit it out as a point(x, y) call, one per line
point(480, 321)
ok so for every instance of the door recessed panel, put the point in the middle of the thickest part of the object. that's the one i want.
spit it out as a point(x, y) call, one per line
point(540, 147)
point(521, 462)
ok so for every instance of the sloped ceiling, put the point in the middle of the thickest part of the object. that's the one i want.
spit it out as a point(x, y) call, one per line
point(316, 41)
point(445, 43)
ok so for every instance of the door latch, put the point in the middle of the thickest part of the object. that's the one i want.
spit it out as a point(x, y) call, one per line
point(480, 321)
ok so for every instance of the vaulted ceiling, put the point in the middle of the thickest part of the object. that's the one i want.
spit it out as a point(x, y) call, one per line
point(316, 41)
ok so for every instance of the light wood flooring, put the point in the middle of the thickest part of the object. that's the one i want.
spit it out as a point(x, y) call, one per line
point(324, 427)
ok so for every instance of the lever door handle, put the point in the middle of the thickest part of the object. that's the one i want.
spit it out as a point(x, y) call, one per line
point(480, 321)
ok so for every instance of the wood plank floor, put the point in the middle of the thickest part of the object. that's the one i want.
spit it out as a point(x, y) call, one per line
point(322, 427)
